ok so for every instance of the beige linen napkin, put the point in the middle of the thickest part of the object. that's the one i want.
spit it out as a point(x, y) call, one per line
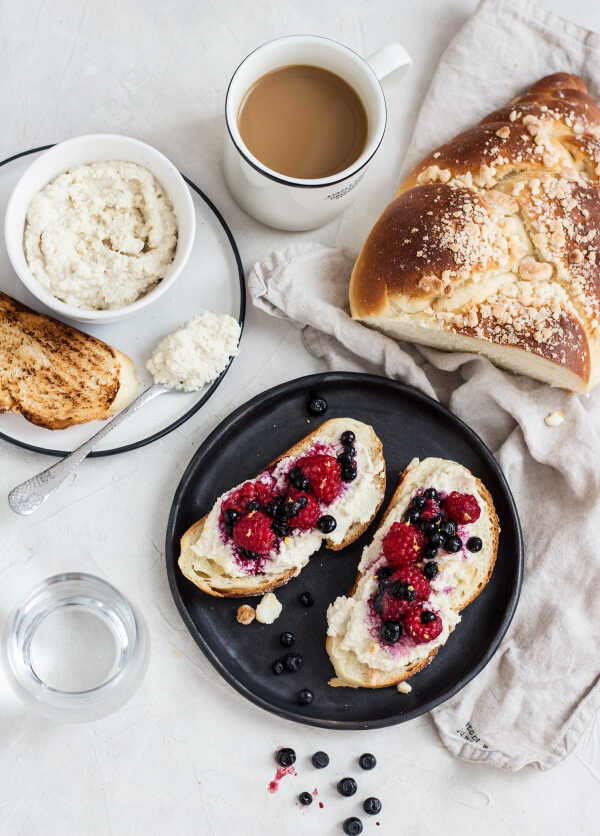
point(539, 693)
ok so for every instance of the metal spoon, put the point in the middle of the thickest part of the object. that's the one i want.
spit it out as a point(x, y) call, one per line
point(28, 496)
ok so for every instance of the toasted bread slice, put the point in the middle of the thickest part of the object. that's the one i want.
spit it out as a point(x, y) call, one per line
point(358, 659)
point(56, 376)
point(220, 576)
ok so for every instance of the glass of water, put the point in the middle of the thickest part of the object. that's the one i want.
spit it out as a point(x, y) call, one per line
point(75, 648)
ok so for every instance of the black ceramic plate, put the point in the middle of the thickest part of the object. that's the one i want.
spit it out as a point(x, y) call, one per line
point(409, 424)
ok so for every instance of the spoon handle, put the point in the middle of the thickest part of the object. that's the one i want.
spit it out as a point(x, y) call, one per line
point(28, 496)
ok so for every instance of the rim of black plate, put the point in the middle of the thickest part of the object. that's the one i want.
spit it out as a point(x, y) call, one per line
point(314, 381)
point(192, 411)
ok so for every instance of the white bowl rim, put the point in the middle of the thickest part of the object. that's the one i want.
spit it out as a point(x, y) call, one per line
point(90, 314)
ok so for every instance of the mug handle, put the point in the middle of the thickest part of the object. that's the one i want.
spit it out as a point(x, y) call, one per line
point(389, 58)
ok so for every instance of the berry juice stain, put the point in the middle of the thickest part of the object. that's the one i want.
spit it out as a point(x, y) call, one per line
point(281, 772)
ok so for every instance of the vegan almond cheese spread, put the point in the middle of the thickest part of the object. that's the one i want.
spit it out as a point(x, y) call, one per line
point(101, 235)
point(195, 353)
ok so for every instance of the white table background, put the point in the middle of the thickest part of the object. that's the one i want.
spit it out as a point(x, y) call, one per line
point(187, 755)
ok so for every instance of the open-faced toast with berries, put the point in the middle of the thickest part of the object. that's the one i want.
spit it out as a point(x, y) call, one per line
point(327, 487)
point(432, 554)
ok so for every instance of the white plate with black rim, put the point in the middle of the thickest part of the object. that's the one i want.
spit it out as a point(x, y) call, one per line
point(213, 280)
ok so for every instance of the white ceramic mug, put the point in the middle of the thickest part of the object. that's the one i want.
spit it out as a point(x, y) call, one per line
point(288, 202)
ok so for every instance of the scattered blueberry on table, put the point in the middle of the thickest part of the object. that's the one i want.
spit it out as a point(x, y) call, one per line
point(285, 757)
point(367, 761)
point(305, 798)
point(372, 806)
point(320, 760)
point(347, 787)
point(353, 826)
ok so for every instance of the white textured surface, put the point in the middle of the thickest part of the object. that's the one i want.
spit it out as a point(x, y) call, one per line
point(187, 755)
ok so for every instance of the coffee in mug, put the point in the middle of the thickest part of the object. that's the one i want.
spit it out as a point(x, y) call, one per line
point(303, 121)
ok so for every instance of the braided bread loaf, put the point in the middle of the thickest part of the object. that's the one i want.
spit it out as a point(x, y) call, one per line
point(492, 244)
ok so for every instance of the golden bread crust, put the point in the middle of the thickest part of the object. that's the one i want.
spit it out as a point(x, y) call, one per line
point(492, 243)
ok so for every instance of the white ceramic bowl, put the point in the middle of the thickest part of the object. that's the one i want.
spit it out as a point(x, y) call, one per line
point(89, 149)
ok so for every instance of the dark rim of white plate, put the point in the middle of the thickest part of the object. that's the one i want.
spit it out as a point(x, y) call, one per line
point(192, 411)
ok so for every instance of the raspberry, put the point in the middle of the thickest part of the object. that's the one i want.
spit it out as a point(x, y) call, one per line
point(462, 508)
point(324, 475)
point(431, 510)
point(253, 533)
point(240, 497)
point(421, 626)
point(402, 544)
point(414, 579)
point(394, 609)
point(306, 517)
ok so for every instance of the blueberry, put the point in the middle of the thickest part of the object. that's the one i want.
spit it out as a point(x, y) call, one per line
point(320, 760)
point(350, 451)
point(378, 603)
point(298, 479)
point(302, 502)
point(430, 551)
point(285, 757)
point(326, 523)
point(367, 761)
point(230, 516)
point(384, 572)
point(474, 544)
point(249, 555)
point(348, 438)
point(271, 508)
point(280, 528)
point(305, 696)
point(390, 632)
point(453, 544)
point(418, 502)
point(427, 617)
point(372, 806)
point(306, 599)
point(317, 405)
point(427, 526)
point(448, 528)
point(349, 473)
point(402, 590)
point(281, 511)
point(430, 493)
point(287, 639)
point(292, 508)
point(436, 539)
point(353, 826)
point(347, 787)
point(253, 505)
point(431, 570)
point(277, 667)
point(345, 460)
point(305, 798)
point(292, 662)
point(382, 586)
